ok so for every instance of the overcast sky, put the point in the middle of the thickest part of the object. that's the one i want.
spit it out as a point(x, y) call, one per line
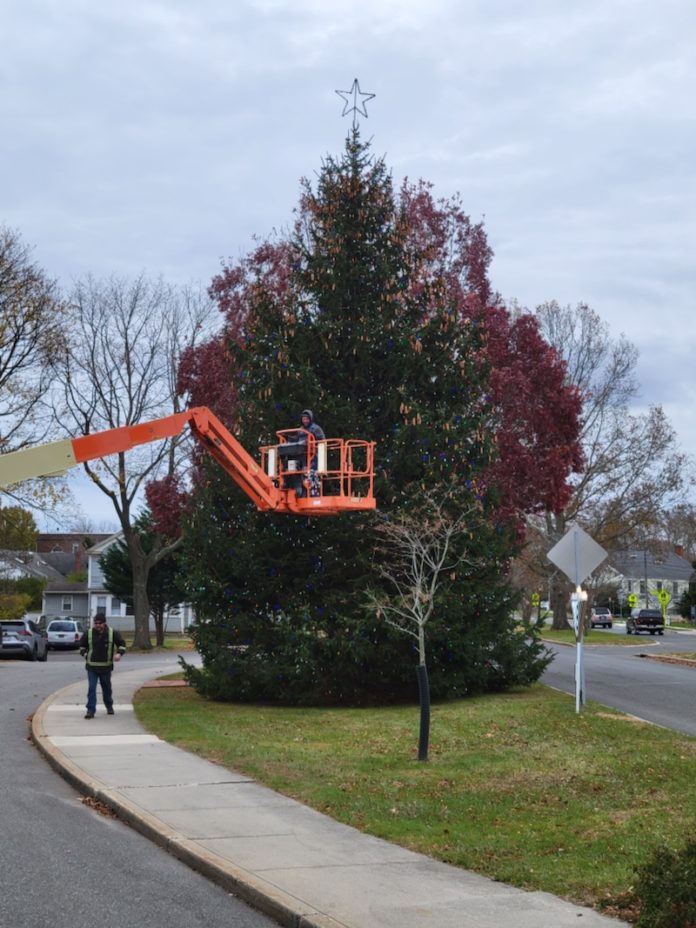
point(162, 136)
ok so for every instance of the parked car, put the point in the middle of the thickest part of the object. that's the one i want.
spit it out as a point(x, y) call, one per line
point(64, 634)
point(601, 616)
point(22, 638)
point(645, 620)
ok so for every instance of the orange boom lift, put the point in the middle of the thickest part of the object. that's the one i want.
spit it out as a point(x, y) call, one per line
point(344, 467)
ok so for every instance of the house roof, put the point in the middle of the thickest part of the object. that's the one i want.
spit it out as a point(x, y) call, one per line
point(66, 586)
point(106, 542)
point(62, 562)
point(637, 564)
point(29, 563)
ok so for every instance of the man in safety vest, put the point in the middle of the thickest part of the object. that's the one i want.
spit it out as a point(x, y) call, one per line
point(101, 646)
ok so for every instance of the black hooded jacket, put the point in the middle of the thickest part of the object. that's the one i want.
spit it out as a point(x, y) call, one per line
point(315, 429)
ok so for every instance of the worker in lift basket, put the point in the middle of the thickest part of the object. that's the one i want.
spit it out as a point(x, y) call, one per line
point(309, 425)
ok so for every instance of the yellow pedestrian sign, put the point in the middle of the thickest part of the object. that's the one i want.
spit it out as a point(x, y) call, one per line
point(632, 600)
point(663, 597)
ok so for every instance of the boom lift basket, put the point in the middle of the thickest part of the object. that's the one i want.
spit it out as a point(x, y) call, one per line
point(341, 471)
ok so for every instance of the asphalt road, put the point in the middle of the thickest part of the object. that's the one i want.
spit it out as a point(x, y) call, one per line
point(618, 677)
point(63, 864)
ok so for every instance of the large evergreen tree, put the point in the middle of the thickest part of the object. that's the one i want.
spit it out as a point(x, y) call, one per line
point(358, 332)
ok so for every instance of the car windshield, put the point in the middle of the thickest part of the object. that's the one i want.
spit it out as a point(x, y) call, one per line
point(601, 610)
point(61, 627)
point(11, 624)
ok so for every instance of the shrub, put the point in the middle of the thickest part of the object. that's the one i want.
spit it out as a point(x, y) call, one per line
point(666, 888)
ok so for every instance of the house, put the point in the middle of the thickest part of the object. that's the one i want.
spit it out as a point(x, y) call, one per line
point(646, 574)
point(67, 551)
point(83, 599)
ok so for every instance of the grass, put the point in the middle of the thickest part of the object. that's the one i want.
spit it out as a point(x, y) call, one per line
point(172, 642)
point(593, 636)
point(518, 787)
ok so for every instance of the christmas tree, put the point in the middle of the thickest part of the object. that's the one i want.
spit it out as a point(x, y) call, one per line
point(377, 349)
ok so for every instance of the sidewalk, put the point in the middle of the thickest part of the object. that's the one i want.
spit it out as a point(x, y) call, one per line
point(295, 864)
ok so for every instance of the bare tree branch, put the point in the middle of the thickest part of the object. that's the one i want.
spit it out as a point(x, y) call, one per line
point(416, 554)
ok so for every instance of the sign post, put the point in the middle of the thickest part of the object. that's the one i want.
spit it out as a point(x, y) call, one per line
point(577, 554)
point(664, 598)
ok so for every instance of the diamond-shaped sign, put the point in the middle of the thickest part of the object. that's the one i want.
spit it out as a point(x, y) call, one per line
point(577, 554)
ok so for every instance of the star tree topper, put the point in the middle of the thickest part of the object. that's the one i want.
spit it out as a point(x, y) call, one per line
point(354, 101)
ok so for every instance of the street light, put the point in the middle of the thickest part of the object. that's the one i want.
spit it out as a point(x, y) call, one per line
point(634, 557)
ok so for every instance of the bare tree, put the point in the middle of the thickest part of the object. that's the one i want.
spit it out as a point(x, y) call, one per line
point(417, 553)
point(679, 528)
point(633, 467)
point(125, 342)
point(31, 339)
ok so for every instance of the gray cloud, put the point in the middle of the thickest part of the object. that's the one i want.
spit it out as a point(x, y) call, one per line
point(164, 135)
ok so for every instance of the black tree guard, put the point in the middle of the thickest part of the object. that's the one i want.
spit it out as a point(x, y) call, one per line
point(424, 693)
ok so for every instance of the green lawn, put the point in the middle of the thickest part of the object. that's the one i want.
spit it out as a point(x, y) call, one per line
point(518, 786)
point(179, 643)
point(593, 636)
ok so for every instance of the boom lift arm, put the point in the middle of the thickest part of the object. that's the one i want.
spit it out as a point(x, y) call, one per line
point(344, 467)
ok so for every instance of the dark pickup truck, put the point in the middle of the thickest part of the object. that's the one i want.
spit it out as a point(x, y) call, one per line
point(645, 620)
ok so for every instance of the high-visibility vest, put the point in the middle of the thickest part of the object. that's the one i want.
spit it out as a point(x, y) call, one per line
point(109, 649)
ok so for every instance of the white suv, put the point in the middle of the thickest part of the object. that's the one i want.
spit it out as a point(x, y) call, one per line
point(64, 633)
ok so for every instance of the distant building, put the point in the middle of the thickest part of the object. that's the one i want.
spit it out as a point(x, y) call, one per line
point(647, 573)
point(67, 551)
point(84, 599)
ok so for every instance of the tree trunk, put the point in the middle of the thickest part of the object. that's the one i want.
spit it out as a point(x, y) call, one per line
point(159, 627)
point(559, 604)
point(141, 603)
point(424, 694)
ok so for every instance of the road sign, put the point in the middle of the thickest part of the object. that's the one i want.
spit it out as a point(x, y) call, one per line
point(536, 599)
point(577, 554)
point(664, 597)
point(632, 600)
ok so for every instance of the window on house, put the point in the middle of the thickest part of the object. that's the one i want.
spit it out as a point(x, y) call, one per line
point(75, 548)
point(67, 604)
point(115, 606)
point(101, 605)
point(642, 588)
point(675, 589)
point(659, 585)
point(630, 586)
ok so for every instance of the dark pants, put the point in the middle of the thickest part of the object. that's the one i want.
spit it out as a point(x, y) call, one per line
point(103, 677)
